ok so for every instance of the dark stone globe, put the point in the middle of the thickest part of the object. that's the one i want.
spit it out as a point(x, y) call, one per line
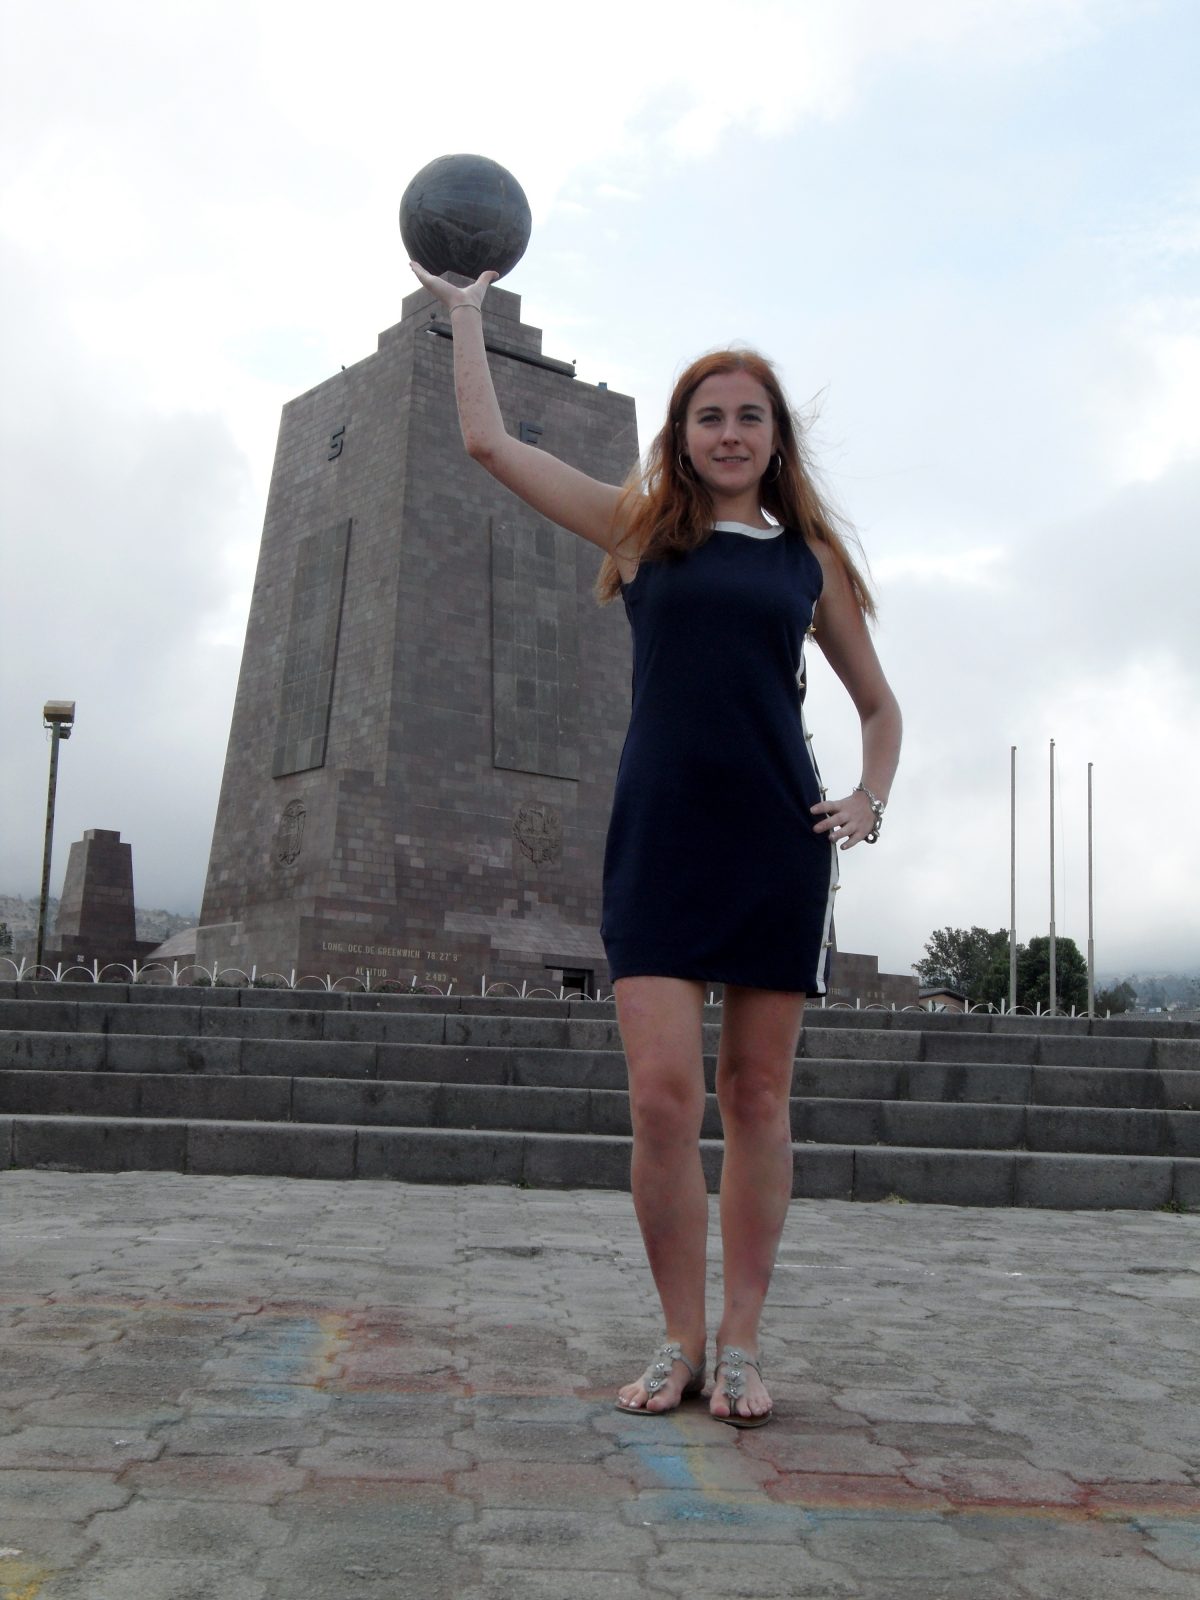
point(465, 214)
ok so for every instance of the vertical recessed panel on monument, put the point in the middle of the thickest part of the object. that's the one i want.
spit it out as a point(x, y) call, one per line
point(431, 704)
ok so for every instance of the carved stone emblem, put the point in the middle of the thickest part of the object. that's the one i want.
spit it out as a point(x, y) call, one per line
point(538, 830)
point(291, 832)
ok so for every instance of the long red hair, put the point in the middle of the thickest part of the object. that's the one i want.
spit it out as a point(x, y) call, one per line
point(666, 510)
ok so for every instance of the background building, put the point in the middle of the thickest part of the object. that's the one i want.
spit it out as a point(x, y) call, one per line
point(857, 978)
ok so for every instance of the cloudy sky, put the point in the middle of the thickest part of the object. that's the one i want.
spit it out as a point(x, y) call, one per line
point(967, 230)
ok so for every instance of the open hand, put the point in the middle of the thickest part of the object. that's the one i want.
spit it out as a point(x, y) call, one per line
point(450, 294)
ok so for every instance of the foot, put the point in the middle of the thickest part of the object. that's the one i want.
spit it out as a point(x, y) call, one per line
point(739, 1395)
point(670, 1378)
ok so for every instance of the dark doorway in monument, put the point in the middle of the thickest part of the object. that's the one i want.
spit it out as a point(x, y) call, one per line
point(579, 980)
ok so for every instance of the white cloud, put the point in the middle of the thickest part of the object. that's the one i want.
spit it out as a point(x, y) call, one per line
point(972, 568)
point(1092, 643)
point(1147, 393)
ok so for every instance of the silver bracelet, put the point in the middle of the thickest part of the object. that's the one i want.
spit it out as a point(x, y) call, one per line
point(877, 808)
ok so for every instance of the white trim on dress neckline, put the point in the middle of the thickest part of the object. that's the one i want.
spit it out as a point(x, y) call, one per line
point(751, 533)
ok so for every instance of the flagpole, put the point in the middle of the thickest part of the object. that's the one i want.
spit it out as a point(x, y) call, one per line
point(1091, 925)
point(1053, 950)
point(1012, 894)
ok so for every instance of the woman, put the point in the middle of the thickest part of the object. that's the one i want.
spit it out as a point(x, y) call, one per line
point(720, 864)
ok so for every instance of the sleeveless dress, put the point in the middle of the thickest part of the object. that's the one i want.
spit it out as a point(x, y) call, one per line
point(712, 870)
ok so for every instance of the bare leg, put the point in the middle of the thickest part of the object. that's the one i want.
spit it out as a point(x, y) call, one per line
point(759, 1034)
point(661, 1031)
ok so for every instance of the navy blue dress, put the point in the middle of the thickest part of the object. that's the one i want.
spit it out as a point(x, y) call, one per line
point(712, 870)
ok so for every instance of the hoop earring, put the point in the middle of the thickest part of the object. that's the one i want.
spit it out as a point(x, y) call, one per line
point(777, 458)
point(682, 463)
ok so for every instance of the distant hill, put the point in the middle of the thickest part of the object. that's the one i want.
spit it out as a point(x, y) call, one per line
point(21, 916)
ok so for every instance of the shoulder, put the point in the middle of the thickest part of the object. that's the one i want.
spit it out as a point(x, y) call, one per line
point(836, 580)
point(824, 559)
point(630, 533)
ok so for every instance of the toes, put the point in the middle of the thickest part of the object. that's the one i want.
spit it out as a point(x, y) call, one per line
point(721, 1406)
point(661, 1400)
point(636, 1398)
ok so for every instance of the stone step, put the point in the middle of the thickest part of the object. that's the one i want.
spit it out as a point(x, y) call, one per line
point(1004, 1084)
point(957, 1110)
point(986, 1083)
point(555, 1160)
point(306, 999)
point(581, 1032)
point(473, 1106)
point(320, 999)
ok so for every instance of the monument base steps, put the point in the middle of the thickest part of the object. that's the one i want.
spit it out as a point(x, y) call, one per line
point(899, 1106)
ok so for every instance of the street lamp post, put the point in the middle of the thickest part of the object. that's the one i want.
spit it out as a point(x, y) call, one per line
point(59, 717)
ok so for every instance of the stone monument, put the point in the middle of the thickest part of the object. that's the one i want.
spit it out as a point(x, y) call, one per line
point(431, 705)
point(96, 920)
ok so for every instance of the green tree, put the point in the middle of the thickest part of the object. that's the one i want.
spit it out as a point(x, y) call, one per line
point(962, 958)
point(1033, 974)
point(994, 991)
point(5, 936)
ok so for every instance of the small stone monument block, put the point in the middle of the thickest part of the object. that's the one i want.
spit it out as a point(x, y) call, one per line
point(97, 898)
point(96, 920)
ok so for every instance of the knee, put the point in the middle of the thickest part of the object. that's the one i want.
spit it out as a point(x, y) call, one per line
point(754, 1098)
point(665, 1110)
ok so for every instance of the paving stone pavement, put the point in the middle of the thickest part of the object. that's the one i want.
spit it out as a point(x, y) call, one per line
point(271, 1389)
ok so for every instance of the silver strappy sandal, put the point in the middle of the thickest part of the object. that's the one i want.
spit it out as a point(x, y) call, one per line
point(656, 1375)
point(735, 1362)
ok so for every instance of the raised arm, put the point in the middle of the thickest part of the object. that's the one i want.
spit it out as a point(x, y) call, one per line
point(846, 644)
point(575, 501)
